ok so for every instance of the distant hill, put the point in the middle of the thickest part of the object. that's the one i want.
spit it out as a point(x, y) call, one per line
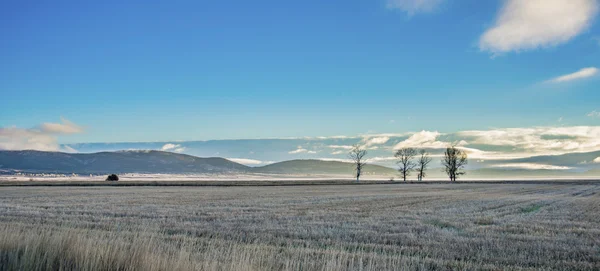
point(165, 162)
point(172, 163)
point(115, 162)
point(568, 159)
point(313, 166)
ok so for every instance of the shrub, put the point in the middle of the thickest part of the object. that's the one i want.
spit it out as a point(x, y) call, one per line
point(112, 177)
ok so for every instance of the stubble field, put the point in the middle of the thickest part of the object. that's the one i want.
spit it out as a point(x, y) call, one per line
point(321, 227)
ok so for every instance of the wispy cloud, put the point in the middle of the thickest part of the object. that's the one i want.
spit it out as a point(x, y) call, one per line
point(301, 150)
point(375, 140)
point(69, 149)
point(594, 114)
point(525, 25)
point(423, 139)
point(42, 137)
point(531, 166)
point(65, 127)
point(345, 147)
point(381, 159)
point(172, 148)
point(580, 74)
point(412, 7)
point(249, 162)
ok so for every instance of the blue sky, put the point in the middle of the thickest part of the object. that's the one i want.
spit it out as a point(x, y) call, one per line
point(133, 71)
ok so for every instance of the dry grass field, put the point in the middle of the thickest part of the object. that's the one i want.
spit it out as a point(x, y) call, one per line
point(325, 227)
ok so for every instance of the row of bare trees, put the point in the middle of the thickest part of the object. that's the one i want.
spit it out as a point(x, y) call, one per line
point(407, 164)
point(453, 162)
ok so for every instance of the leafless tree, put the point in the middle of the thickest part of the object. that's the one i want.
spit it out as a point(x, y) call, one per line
point(357, 155)
point(422, 163)
point(405, 161)
point(454, 162)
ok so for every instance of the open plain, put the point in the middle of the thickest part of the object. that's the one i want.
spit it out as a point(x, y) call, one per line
point(520, 226)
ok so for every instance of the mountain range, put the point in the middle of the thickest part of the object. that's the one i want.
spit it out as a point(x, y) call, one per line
point(155, 162)
point(152, 161)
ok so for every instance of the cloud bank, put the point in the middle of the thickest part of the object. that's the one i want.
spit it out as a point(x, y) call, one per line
point(42, 138)
point(170, 147)
point(249, 162)
point(526, 25)
point(569, 147)
point(530, 166)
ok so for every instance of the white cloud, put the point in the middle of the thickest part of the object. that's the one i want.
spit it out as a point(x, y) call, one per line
point(414, 6)
point(69, 149)
point(381, 159)
point(42, 138)
point(172, 148)
point(65, 127)
point(597, 160)
point(168, 146)
point(530, 24)
point(249, 162)
point(13, 138)
point(580, 74)
point(298, 151)
point(345, 147)
point(301, 150)
point(337, 152)
point(531, 166)
point(329, 137)
point(538, 140)
point(371, 141)
point(594, 114)
point(423, 139)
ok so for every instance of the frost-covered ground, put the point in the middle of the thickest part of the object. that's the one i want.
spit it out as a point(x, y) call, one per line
point(326, 227)
point(248, 177)
point(186, 177)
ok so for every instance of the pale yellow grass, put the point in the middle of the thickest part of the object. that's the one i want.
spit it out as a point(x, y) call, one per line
point(374, 227)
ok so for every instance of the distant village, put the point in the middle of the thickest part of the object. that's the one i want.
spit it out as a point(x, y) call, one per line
point(50, 175)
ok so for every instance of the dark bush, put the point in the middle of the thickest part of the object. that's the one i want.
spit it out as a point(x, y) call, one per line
point(112, 177)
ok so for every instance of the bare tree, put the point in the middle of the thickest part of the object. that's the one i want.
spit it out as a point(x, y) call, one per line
point(357, 155)
point(454, 162)
point(422, 163)
point(405, 158)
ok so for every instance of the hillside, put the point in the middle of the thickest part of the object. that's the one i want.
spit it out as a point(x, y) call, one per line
point(115, 162)
point(157, 162)
point(313, 166)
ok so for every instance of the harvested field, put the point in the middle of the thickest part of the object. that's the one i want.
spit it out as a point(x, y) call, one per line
point(488, 226)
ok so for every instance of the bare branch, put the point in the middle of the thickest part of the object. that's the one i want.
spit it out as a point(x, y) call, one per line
point(357, 155)
point(405, 161)
point(424, 160)
point(454, 162)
